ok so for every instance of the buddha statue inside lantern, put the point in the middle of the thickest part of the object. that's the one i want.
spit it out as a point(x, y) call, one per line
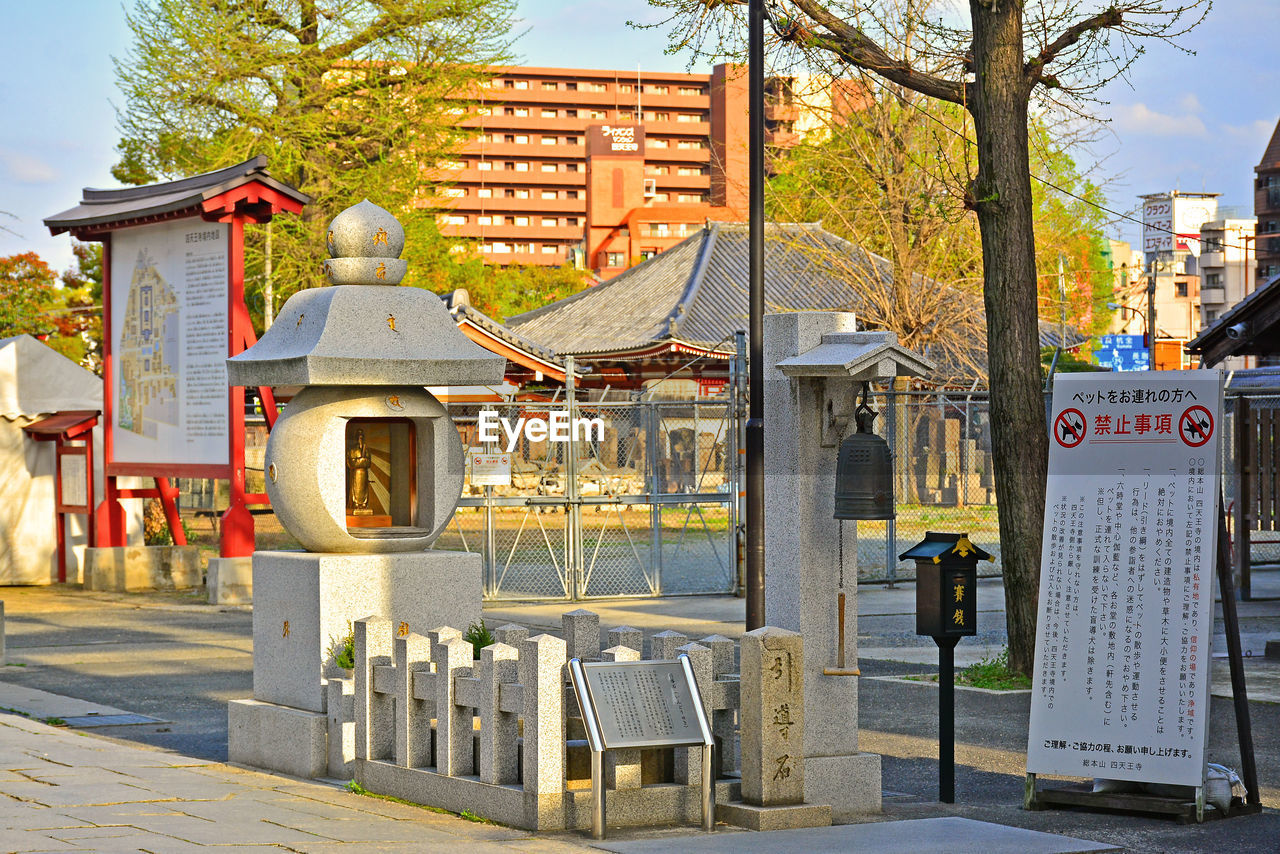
point(380, 473)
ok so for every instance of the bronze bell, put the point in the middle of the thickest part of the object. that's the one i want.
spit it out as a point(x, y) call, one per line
point(864, 471)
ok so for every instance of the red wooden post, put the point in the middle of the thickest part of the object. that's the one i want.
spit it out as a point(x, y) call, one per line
point(60, 519)
point(168, 494)
point(109, 517)
point(237, 522)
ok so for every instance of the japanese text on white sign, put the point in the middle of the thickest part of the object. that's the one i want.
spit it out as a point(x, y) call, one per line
point(1126, 580)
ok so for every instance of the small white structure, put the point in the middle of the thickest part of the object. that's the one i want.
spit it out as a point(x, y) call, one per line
point(36, 382)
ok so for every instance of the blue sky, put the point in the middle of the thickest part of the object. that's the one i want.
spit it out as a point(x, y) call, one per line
point(1197, 123)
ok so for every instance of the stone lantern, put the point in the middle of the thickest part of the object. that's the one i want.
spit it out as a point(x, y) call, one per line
point(364, 468)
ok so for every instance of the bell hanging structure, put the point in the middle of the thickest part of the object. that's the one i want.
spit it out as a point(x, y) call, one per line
point(864, 470)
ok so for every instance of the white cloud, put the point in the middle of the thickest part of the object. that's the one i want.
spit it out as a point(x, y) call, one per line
point(1255, 133)
point(1140, 119)
point(25, 169)
point(1189, 103)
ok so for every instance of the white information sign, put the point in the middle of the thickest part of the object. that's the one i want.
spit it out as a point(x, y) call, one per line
point(1121, 682)
point(169, 343)
point(490, 469)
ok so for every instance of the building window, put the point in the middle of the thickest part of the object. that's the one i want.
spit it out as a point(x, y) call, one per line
point(456, 219)
point(625, 115)
point(550, 140)
point(571, 167)
point(614, 259)
point(486, 248)
point(1210, 315)
point(647, 253)
point(521, 112)
point(522, 194)
point(1211, 244)
point(1180, 288)
point(688, 117)
point(626, 87)
point(660, 117)
point(662, 197)
point(1212, 280)
point(573, 194)
point(522, 84)
point(550, 114)
point(572, 220)
point(522, 247)
point(656, 90)
point(522, 139)
point(550, 222)
point(548, 167)
point(656, 143)
point(548, 86)
point(571, 86)
point(597, 114)
point(521, 220)
point(570, 114)
point(594, 87)
point(550, 194)
point(689, 198)
point(485, 193)
point(690, 90)
point(549, 248)
point(689, 170)
point(485, 166)
point(650, 169)
point(453, 192)
point(522, 166)
point(484, 219)
point(689, 143)
point(501, 247)
point(484, 137)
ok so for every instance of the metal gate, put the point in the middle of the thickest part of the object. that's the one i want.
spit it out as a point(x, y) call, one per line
point(647, 506)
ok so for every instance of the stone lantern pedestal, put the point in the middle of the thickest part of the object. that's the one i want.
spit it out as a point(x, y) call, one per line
point(364, 468)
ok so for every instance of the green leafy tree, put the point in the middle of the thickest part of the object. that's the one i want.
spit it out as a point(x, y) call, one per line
point(29, 291)
point(33, 304)
point(349, 99)
point(81, 287)
point(993, 63)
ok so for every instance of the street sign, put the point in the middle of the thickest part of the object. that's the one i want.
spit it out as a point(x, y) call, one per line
point(1123, 353)
point(490, 469)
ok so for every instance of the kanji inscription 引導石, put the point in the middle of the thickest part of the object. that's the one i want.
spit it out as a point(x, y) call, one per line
point(1126, 581)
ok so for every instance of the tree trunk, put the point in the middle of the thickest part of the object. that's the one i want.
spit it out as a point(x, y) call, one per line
point(1001, 195)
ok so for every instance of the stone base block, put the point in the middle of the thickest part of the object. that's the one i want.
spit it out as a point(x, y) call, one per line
point(277, 738)
point(774, 818)
point(131, 569)
point(667, 803)
point(304, 601)
point(850, 784)
point(229, 580)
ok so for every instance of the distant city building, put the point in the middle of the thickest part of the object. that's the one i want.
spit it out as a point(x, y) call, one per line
point(1225, 275)
point(1266, 208)
point(1171, 247)
point(604, 168)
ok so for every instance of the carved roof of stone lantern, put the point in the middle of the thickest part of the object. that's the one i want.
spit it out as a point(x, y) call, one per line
point(363, 330)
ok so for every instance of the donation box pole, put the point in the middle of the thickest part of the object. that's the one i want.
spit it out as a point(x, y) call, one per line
point(946, 610)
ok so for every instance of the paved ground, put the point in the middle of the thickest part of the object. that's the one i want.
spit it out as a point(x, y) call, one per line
point(178, 660)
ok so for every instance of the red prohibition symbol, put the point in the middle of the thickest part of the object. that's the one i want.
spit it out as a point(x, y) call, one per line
point(1195, 426)
point(1069, 428)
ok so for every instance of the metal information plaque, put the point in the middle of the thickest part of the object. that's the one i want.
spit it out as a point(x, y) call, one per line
point(643, 704)
point(633, 704)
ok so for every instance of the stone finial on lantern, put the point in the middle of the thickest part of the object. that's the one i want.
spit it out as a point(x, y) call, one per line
point(364, 458)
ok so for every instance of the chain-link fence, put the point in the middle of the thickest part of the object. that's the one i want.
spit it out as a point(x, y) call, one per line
point(638, 498)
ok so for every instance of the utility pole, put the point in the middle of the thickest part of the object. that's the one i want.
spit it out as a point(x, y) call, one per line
point(755, 287)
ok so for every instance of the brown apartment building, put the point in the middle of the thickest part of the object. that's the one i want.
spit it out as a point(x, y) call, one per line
point(1266, 207)
point(605, 168)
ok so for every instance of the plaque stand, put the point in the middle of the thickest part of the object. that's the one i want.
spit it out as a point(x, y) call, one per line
point(605, 734)
point(1182, 810)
